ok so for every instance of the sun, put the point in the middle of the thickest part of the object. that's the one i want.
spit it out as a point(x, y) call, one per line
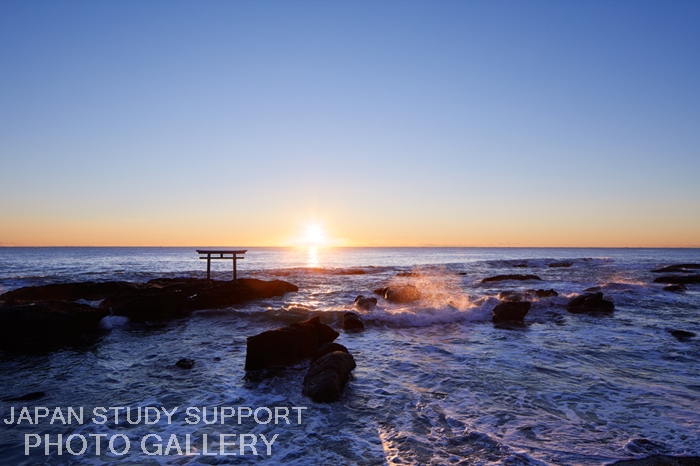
point(315, 236)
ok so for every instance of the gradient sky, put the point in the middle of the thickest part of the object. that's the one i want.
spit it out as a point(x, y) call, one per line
point(395, 123)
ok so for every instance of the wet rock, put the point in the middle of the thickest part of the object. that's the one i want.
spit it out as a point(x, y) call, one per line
point(561, 264)
point(521, 266)
point(28, 397)
point(286, 345)
point(352, 321)
point(512, 296)
point(682, 335)
point(680, 288)
point(408, 274)
point(328, 348)
point(510, 311)
point(327, 376)
point(88, 291)
point(500, 278)
point(546, 293)
point(177, 297)
point(678, 279)
point(185, 363)
point(365, 303)
point(590, 303)
point(661, 460)
point(48, 324)
point(687, 268)
point(402, 294)
point(461, 273)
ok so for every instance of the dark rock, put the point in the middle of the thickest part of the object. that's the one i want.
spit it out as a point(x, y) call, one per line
point(677, 268)
point(327, 376)
point(89, 291)
point(48, 324)
point(561, 264)
point(402, 294)
point(661, 460)
point(500, 278)
point(286, 345)
point(177, 297)
point(381, 291)
point(593, 289)
point(408, 274)
point(680, 288)
point(28, 397)
point(352, 321)
point(185, 363)
point(364, 303)
point(590, 302)
point(521, 266)
point(328, 348)
point(682, 335)
point(546, 293)
point(510, 311)
point(678, 279)
point(512, 296)
point(461, 273)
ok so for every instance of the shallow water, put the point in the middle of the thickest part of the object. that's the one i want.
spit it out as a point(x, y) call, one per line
point(435, 383)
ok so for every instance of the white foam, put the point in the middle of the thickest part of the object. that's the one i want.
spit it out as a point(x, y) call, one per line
point(109, 322)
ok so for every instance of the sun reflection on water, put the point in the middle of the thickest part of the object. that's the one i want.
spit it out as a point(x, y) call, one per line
point(312, 259)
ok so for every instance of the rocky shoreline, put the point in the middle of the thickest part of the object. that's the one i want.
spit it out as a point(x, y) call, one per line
point(70, 313)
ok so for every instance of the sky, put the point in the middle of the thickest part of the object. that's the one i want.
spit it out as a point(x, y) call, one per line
point(377, 123)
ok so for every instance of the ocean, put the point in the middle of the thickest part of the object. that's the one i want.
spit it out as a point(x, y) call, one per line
point(436, 382)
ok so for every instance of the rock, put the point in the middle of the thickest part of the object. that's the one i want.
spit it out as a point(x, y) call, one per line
point(682, 335)
point(590, 302)
point(286, 345)
point(500, 278)
point(677, 268)
point(546, 293)
point(561, 264)
point(88, 291)
point(678, 279)
point(364, 303)
point(327, 376)
point(328, 348)
point(512, 296)
point(352, 321)
point(28, 397)
point(408, 274)
point(521, 266)
point(461, 273)
point(177, 297)
point(660, 460)
point(381, 291)
point(185, 363)
point(680, 288)
point(402, 294)
point(48, 324)
point(510, 311)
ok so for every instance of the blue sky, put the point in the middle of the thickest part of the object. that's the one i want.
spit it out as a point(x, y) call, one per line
point(389, 123)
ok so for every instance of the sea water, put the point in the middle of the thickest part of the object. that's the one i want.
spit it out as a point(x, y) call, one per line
point(436, 382)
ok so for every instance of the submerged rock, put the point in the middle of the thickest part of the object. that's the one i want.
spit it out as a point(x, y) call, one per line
point(185, 363)
point(500, 278)
point(680, 288)
point(682, 335)
point(677, 268)
point(512, 296)
point(48, 324)
point(286, 345)
point(327, 376)
point(590, 303)
point(28, 397)
point(561, 264)
point(510, 311)
point(678, 279)
point(546, 293)
point(352, 321)
point(365, 303)
point(661, 460)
